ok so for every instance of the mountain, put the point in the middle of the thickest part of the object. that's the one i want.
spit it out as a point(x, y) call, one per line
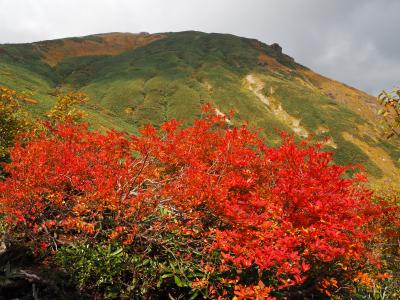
point(134, 79)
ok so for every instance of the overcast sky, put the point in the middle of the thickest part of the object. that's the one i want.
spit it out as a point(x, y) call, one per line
point(353, 41)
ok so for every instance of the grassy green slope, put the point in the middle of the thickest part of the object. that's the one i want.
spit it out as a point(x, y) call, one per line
point(173, 76)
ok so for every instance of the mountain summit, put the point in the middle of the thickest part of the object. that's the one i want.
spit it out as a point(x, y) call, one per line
point(134, 79)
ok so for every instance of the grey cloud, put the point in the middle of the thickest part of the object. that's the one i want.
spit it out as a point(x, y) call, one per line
point(355, 41)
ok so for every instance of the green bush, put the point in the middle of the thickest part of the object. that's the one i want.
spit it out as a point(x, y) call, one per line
point(137, 271)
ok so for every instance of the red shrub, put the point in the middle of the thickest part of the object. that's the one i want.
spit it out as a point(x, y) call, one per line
point(286, 210)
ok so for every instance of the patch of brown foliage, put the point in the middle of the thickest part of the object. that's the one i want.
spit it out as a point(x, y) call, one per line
point(108, 44)
point(358, 101)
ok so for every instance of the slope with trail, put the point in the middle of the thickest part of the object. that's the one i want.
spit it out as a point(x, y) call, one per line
point(134, 79)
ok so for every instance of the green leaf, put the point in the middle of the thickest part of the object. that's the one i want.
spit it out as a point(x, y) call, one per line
point(179, 282)
point(167, 275)
point(116, 252)
point(194, 296)
point(163, 211)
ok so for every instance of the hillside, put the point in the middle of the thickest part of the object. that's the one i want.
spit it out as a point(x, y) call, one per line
point(134, 79)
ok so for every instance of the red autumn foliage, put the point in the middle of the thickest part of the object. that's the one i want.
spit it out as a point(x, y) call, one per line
point(287, 209)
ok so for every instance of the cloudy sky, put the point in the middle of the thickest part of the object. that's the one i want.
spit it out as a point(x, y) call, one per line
point(353, 41)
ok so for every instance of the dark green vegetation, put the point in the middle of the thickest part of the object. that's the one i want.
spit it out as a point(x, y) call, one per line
point(172, 76)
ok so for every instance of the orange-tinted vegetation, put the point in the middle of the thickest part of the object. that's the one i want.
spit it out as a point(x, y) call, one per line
point(236, 218)
point(358, 101)
point(103, 44)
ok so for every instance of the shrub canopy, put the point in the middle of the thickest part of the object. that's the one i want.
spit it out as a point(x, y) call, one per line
point(289, 212)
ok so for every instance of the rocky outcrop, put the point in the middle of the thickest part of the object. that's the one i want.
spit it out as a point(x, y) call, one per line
point(277, 52)
point(276, 48)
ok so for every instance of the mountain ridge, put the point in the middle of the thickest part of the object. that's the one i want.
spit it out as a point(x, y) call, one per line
point(135, 79)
